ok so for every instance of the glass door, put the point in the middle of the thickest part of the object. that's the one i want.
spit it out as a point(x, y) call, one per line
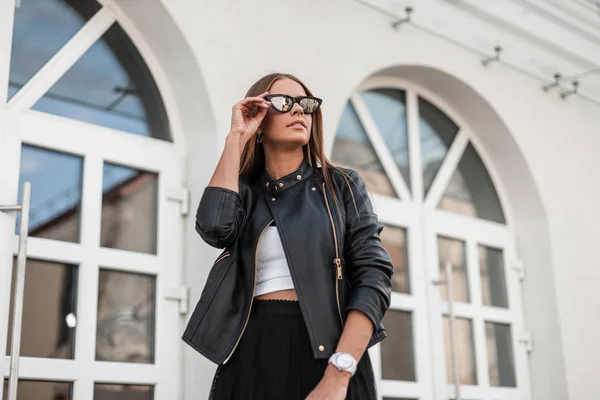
point(401, 362)
point(103, 258)
point(484, 346)
point(82, 119)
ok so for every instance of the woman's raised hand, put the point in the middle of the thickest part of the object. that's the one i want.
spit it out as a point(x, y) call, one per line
point(243, 128)
point(242, 123)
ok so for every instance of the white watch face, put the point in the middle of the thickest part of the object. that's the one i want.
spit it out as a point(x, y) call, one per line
point(344, 360)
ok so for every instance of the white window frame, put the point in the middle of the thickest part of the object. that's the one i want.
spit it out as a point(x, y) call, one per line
point(424, 222)
point(97, 145)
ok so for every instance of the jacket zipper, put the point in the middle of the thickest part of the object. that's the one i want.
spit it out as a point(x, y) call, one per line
point(222, 256)
point(253, 291)
point(337, 262)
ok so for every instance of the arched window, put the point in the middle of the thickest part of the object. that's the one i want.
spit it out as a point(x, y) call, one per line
point(110, 85)
point(374, 141)
point(441, 212)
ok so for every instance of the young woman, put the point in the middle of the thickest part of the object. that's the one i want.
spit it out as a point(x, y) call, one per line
point(297, 296)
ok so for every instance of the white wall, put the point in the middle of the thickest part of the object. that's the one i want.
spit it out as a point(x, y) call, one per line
point(542, 148)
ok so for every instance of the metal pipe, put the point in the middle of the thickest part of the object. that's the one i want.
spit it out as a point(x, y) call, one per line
point(452, 331)
point(19, 293)
point(11, 208)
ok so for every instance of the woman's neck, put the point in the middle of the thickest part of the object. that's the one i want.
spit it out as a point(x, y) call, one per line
point(280, 164)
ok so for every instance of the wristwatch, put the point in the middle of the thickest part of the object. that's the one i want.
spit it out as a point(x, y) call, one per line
point(344, 362)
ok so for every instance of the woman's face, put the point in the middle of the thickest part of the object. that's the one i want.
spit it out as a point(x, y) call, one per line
point(291, 129)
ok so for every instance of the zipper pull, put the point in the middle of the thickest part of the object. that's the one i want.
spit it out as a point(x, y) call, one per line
point(338, 263)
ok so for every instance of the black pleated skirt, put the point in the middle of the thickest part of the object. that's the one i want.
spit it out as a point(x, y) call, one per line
point(274, 360)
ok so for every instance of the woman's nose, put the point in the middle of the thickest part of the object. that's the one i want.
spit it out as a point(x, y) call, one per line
point(296, 109)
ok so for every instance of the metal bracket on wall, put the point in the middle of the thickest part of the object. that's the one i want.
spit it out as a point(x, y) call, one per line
point(571, 92)
point(487, 61)
point(181, 195)
point(179, 293)
point(405, 20)
point(526, 339)
point(556, 83)
point(519, 267)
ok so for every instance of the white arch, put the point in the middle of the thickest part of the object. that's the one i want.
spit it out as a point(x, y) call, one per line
point(520, 199)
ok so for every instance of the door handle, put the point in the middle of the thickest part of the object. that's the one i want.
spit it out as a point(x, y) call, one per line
point(24, 207)
point(451, 328)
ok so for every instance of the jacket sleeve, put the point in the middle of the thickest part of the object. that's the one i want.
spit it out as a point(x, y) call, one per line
point(368, 264)
point(220, 216)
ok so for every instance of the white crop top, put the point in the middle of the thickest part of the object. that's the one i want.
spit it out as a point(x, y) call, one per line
point(272, 271)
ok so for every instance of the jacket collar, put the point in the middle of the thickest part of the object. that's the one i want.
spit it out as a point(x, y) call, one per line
point(274, 187)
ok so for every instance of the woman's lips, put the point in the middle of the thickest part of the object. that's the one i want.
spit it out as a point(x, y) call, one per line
point(298, 124)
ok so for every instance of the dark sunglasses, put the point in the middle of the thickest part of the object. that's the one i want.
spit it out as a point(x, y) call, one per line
point(284, 103)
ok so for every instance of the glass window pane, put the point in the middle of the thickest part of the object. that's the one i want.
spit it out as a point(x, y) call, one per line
point(471, 191)
point(129, 209)
point(397, 351)
point(500, 354)
point(126, 317)
point(111, 86)
point(41, 28)
point(55, 193)
point(491, 270)
point(41, 390)
point(388, 109)
point(49, 310)
point(352, 149)
point(394, 241)
point(123, 392)
point(453, 251)
point(437, 132)
point(465, 351)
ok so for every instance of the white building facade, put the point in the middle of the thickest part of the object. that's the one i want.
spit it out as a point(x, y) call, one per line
point(479, 162)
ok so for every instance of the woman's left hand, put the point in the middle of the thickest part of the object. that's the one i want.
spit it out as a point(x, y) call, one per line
point(333, 385)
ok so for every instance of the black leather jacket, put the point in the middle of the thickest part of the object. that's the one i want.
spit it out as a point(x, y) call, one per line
point(334, 254)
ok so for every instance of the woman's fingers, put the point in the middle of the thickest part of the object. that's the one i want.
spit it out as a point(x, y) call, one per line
point(242, 110)
point(258, 99)
point(253, 100)
point(260, 115)
point(263, 95)
point(248, 105)
point(249, 100)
